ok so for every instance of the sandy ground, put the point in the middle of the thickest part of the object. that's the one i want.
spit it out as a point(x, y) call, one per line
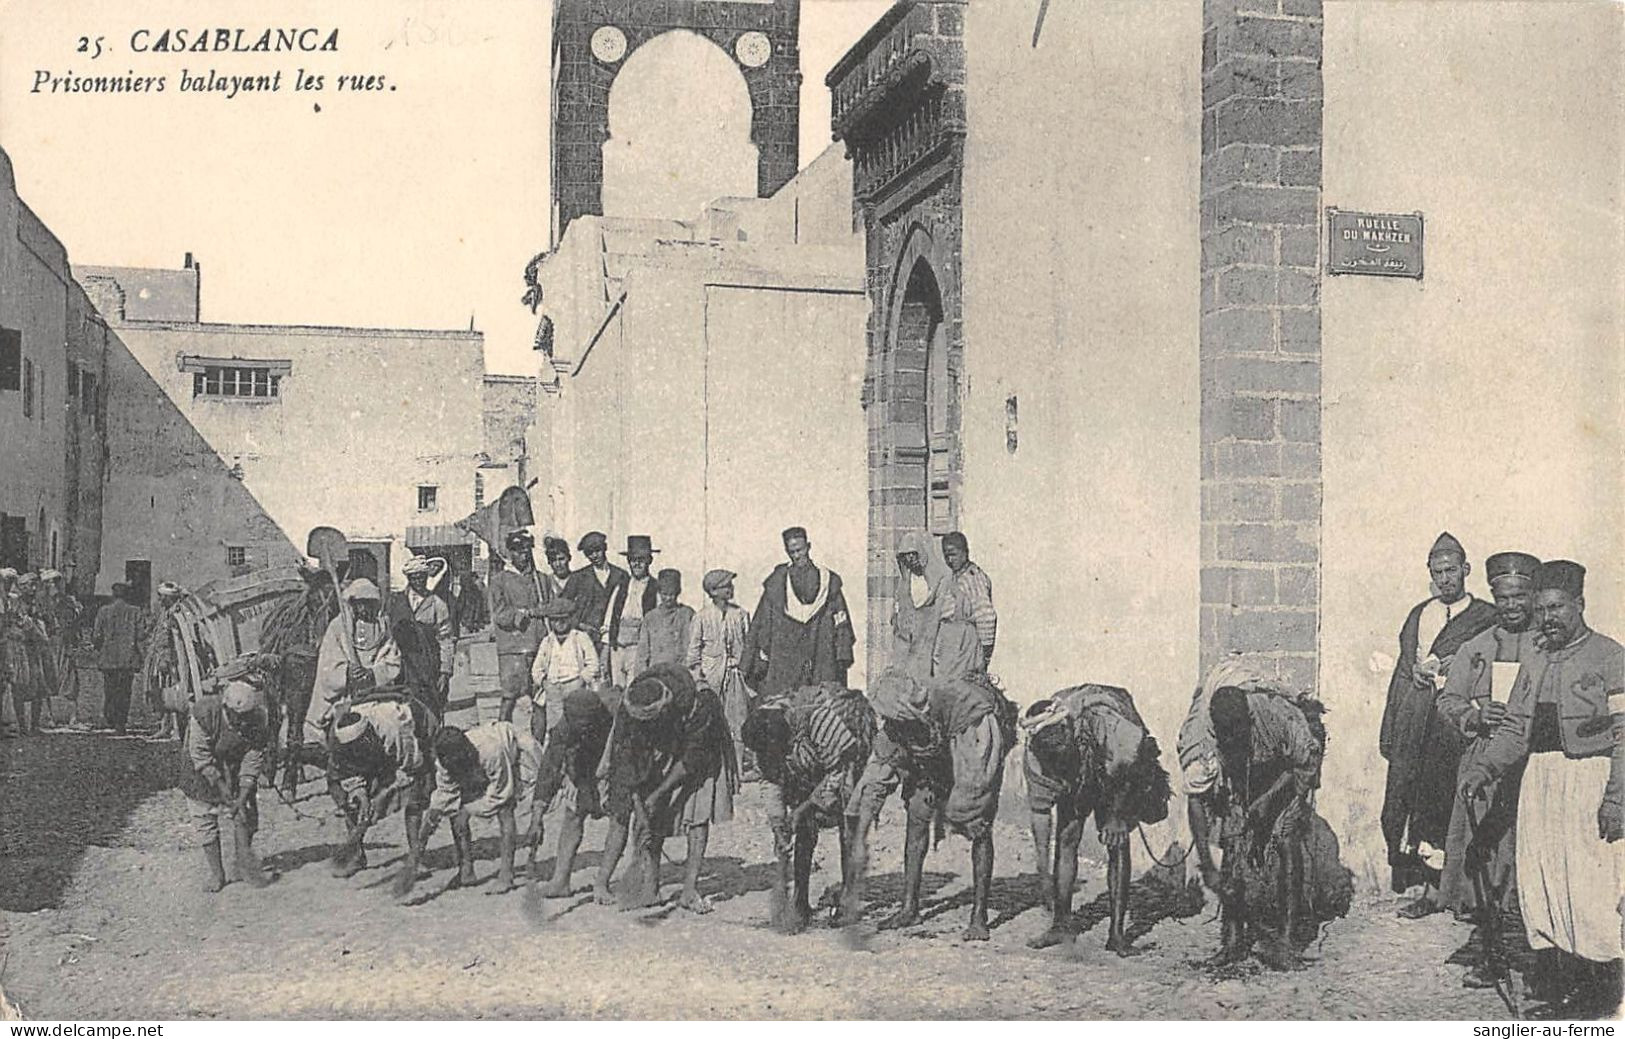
point(102, 915)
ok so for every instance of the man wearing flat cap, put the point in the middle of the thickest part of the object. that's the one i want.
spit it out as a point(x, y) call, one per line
point(1422, 749)
point(1564, 723)
point(594, 589)
point(632, 602)
point(717, 644)
point(801, 632)
point(1474, 702)
point(419, 605)
point(517, 595)
point(666, 627)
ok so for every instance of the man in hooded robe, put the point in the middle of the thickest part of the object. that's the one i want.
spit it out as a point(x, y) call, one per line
point(357, 655)
point(933, 636)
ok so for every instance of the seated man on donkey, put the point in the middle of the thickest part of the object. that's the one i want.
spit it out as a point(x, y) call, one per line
point(944, 743)
point(1088, 753)
point(810, 746)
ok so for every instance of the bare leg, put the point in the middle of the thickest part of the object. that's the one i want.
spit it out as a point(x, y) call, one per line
point(614, 845)
point(1039, 823)
point(691, 899)
point(1119, 871)
point(217, 868)
point(915, 839)
point(1063, 878)
point(806, 842)
point(507, 839)
point(462, 839)
point(564, 860)
point(981, 857)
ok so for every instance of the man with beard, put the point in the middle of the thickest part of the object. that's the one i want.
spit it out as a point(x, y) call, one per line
point(633, 601)
point(1561, 723)
point(517, 595)
point(487, 772)
point(225, 754)
point(1423, 751)
point(801, 632)
point(671, 770)
point(944, 744)
point(353, 659)
point(811, 747)
point(1088, 753)
point(594, 589)
point(378, 761)
point(1474, 701)
point(419, 605)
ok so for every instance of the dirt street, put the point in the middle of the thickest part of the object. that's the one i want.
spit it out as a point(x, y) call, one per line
point(102, 915)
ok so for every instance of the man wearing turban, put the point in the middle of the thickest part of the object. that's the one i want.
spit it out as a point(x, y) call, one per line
point(1422, 749)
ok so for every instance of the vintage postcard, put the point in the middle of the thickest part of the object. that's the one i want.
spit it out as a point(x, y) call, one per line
point(812, 509)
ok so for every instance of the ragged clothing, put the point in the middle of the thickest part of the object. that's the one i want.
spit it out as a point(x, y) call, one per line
point(578, 729)
point(509, 759)
point(1118, 774)
point(832, 731)
point(689, 729)
point(944, 743)
point(394, 765)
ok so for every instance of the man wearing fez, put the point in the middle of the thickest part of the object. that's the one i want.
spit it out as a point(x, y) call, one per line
point(665, 628)
point(801, 633)
point(1422, 750)
point(1474, 702)
point(517, 595)
point(594, 589)
point(631, 604)
point(1563, 724)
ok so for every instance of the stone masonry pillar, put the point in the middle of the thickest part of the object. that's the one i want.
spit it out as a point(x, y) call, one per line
point(1260, 333)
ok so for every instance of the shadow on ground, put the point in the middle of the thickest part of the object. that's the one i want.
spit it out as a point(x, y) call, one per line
point(96, 782)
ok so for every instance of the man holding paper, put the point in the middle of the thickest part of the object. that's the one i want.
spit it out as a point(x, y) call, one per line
point(1422, 750)
point(1474, 702)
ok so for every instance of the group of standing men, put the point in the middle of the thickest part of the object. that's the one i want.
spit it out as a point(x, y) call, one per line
point(1504, 732)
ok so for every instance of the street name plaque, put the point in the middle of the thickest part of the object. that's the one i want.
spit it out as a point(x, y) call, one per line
point(1388, 245)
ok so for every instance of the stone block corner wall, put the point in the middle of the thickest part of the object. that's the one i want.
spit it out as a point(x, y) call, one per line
point(1260, 333)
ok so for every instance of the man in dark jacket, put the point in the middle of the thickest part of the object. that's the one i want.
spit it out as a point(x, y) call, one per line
point(594, 589)
point(801, 633)
point(1422, 749)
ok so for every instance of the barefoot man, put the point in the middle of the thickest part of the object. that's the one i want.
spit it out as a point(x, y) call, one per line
point(1088, 752)
point(811, 747)
point(671, 770)
point(944, 743)
point(488, 771)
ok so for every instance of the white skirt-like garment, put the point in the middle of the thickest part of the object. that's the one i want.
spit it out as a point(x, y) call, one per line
point(1569, 879)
